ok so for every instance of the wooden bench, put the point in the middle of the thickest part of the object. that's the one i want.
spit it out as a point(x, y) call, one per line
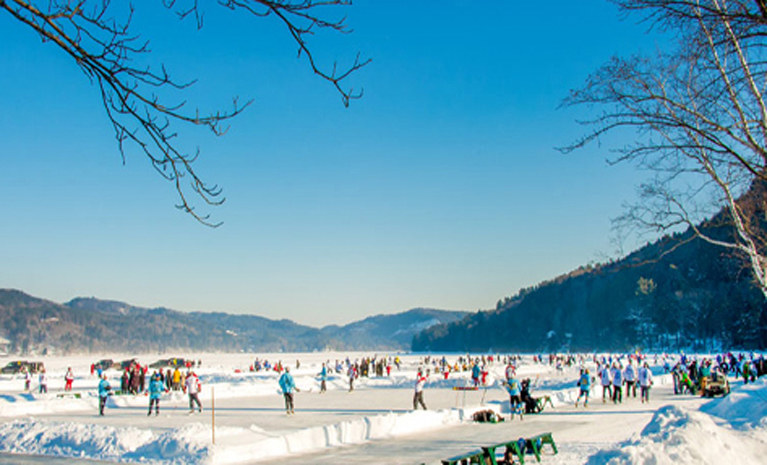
point(473, 457)
point(520, 447)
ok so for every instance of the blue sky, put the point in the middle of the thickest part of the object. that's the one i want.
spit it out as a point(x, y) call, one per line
point(441, 187)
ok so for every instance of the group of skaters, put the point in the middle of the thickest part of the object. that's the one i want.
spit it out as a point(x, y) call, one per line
point(521, 401)
point(42, 380)
point(614, 376)
point(133, 381)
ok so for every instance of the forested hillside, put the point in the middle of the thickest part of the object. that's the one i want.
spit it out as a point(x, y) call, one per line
point(660, 297)
point(34, 325)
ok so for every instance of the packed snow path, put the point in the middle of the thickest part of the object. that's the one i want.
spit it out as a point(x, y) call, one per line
point(579, 433)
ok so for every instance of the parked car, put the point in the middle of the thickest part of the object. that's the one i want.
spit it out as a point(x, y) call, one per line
point(169, 362)
point(126, 364)
point(18, 366)
point(104, 364)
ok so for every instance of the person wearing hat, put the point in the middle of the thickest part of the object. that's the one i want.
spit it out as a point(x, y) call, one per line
point(193, 389)
point(645, 382)
point(156, 388)
point(584, 382)
point(288, 386)
point(104, 391)
point(420, 382)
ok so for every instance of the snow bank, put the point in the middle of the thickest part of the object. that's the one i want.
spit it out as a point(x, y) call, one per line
point(191, 444)
point(70, 439)
point(355, 431)
point(744, 407)
point(680, 437)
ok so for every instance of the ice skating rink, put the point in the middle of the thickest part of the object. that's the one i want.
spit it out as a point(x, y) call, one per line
point(375, 423)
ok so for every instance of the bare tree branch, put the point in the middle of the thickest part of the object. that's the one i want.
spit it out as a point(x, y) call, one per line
point(700, 119)
point(106, 50)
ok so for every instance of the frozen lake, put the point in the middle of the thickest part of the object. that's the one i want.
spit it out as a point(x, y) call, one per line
point(373, 424)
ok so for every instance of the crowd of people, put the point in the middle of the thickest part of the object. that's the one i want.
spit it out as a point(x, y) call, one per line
point(620, 376)
point(133, 380)
point(692, 376)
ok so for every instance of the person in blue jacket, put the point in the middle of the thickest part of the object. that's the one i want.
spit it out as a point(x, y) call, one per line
point(475, 371)
point(515, 400)
point(288, 386)
point(584, 382)
point(323, 378)
point(156, 388)
point(104, 391)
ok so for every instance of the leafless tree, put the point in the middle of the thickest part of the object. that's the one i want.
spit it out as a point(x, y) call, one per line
point(98, 35)
point(698, 120)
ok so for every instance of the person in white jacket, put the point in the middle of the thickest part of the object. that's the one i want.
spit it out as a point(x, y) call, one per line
point(630, 376)
point(606, 380)
point(193, 389)
point(68, 379)
point(43, 380)
point(617, 374)
point(645, 381)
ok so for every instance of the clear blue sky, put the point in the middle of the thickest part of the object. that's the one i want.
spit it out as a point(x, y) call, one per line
point(440, 188)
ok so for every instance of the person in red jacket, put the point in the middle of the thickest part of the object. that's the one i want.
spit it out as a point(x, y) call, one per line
point(68, 378)
point(420, 382)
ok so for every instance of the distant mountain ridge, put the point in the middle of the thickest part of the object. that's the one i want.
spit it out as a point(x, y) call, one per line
point(87, 324)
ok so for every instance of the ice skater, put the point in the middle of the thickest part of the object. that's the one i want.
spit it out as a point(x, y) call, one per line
point(606, 381)
point(475, 372)
point(156, 388)
point(68, 379)
point(617, 374)
point(584, 382)
point(645, 382)
point(288, 386)
point(630, 375)
point(323, 378)
point(420, 382)
point(515, 400)
point(193, 390)
point(104, 392)
point(352, 375)
point(43, 381)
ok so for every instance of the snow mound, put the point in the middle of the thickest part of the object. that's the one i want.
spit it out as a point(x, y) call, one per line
point(191, 444)
point(679, 437)
point(744, 407)
point(69, 439)
point(185, 445)
point(357, 431)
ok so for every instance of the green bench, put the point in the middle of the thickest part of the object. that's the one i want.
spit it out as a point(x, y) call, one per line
point(542, 401)
point(520, 447)
point(473, 457)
